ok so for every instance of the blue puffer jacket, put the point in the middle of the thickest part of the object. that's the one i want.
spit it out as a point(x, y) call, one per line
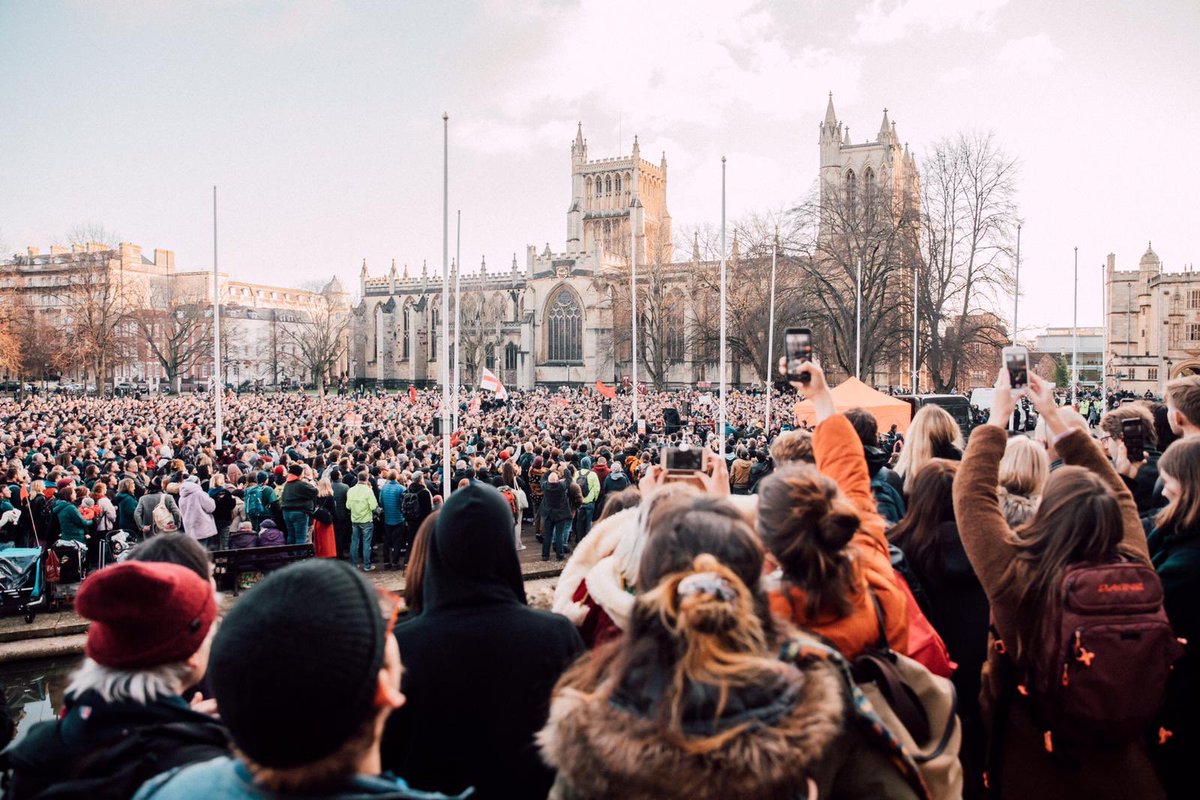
point(390, 499)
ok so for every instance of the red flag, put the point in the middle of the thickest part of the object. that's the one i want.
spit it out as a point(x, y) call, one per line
point(608, 391)
point(412, 395)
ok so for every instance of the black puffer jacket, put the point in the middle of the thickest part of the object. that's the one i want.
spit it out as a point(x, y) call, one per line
point(100, 750)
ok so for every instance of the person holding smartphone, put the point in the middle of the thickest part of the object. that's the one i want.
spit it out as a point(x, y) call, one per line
point(1127, 433)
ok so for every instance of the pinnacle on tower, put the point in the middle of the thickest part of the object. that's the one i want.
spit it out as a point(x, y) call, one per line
point(579, 146)
point(424, 268)
point(663, 164)
point(483, 265)
point(636, 148)
point(830, 116)
point(885, 128)
point(695, 246)
point(406, 269)
point(393, 266)
point(364, 267)
point(846, 140)
point(514, 264)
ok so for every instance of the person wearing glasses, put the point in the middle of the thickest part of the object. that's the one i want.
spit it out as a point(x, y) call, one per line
point(313, 728)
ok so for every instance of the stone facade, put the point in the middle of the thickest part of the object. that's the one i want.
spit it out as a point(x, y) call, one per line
point(1153, 321)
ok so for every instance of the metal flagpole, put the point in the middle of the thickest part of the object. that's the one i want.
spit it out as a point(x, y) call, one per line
point(771, 334)
point(1104, 355)
point(633, 352)
point(1017, 286)
point(457, 317)
point(218, 384)
point(444, 348)
point(858, 322)
point(916, 327)
point(721, 416)
point(1075, 335)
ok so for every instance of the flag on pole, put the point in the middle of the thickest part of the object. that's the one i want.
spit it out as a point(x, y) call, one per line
point(608, 391)
point(412, 395)
point(490, 382)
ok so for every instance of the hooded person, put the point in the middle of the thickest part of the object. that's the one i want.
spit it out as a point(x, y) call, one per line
point(196, 507)
point(478, 663)
point(280, 751)
point(123, 719)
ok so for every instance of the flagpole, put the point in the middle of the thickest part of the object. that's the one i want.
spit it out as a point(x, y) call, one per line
point(721, 416)
point(633, 304)
point(457, 317)
point(858, 322)
point(218, 386)
point(444, 345)
point(1075, 334)
point(771, 334)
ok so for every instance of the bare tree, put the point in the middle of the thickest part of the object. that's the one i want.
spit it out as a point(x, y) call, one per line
point(316, 341)
point(837, 233)
point(176, 325)
point(98, 303)
point(968, 221)
point(660, 305)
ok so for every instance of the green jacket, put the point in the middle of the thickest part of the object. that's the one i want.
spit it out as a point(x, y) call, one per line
point(361, 503)
point(593, 484)
point(71, 524)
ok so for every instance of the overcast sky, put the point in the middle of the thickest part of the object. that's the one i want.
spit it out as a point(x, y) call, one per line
point(321, 121)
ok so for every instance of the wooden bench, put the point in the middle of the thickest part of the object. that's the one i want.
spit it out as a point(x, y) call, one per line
point(232, 564)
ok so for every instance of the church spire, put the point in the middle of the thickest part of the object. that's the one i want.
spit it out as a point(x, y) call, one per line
point(637, 150)
point(364, 268)
point(830, 116)
point(885, 128)
point(579, 146)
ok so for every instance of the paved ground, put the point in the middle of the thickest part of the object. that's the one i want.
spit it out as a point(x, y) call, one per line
point(62, 633)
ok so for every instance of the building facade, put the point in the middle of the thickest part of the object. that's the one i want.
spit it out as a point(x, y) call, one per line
point(1153, 324)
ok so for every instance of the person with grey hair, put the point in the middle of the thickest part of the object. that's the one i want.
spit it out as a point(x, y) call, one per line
point(124, 719)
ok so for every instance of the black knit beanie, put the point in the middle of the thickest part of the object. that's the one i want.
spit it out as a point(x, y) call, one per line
point(294, 664)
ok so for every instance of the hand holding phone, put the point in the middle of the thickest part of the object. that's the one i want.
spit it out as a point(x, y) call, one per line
point(1016, 361)
point(798, 350)
point(1133, 435)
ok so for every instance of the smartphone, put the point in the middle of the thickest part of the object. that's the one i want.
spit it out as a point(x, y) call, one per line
point(1133, 434)
point(797, 345)
point(1016, 361)
point(683, 459)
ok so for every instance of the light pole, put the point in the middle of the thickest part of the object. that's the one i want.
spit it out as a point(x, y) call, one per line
point(721, 416)
point(1075, 335)
point(457, 313)
point(771, 333)
point(444, 354)
point(633, 321)
point(1017, 286)
point(218, 388)
point(858, 321)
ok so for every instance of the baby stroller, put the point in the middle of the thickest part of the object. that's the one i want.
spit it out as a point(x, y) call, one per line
point(23, 585)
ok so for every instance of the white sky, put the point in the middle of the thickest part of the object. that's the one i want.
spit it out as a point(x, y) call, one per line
point(321, 121)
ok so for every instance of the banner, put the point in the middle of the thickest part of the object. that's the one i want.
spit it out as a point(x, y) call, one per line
point(608, 391)
point(490, 382)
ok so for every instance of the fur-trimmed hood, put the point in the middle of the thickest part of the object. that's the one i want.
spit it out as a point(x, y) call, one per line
point(603, 749)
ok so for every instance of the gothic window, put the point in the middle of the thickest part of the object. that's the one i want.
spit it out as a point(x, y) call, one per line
point(1152, 374)
point(608, 185)
point(869, 186)
point(407, 325)
point(1194, 299)
point(1193, 332)
point(378, 333)
point(617, 184)
point(674, 327)
point(510, 356)
point(564, 328)
point(433, 328)
point(851, 189)
point(588, 189)
point(489, 357)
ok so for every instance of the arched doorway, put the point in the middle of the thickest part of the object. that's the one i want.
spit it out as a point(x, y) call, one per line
point(1191, 367)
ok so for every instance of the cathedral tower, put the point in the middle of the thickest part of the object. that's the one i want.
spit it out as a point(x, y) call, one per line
point(858, 169)
point(604, 194)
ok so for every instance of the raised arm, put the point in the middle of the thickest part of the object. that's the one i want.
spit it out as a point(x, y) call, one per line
point(981, 524)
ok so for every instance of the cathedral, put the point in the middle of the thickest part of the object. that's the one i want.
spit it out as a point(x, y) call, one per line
point(562, 318)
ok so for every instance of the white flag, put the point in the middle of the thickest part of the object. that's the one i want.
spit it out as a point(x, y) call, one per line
point(490, 382)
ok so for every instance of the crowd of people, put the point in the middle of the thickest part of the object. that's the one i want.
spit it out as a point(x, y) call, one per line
point(828, 612)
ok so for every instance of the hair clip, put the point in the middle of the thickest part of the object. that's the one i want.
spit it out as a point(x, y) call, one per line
point(706, 583)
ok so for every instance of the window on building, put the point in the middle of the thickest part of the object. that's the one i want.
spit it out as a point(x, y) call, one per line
point(406, 324)
point(851, 189)
point(617, 184)
point(608, 185)
point(1193, 332)
point(510, 356)
point(433, 329)
point(674, 327)
point(489, 357)
point(1194, 298)
point(564, 328)
point(1152, 374)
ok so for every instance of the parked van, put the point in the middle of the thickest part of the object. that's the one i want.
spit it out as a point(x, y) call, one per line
point(958, 407)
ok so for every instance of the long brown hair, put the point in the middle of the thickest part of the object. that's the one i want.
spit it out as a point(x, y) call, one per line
point(414, 574)
point(1182, 462)
point(1078, 522)
point(806, 523)
point(930, 504)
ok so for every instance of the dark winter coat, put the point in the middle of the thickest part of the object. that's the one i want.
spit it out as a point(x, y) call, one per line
point(105, 750)
point(478, 663)
point(71, 524)
point(298, 495)
point(556, 504)
point(126, 507)
point(1176, 557)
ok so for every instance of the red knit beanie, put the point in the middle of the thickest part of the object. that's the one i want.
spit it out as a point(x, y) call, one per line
point(145, 614)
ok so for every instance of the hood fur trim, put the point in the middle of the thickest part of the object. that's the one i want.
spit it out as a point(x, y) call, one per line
point(603, 751)
point(606, 587)
point(600, 542)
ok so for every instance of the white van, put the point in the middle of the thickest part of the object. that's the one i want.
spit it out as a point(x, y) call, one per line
point(982, 398)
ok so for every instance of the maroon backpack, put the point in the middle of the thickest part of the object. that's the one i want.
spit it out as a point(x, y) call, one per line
point(1099, 673)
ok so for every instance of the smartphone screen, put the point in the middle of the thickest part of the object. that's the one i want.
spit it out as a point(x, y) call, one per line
point(797, 343)
point(1016, 361)
point(1135, 444)
point(683, 459)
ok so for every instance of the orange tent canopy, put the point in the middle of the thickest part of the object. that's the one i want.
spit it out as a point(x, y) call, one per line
point(853, 393)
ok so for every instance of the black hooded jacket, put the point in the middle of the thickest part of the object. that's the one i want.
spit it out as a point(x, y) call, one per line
point(478, 663)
